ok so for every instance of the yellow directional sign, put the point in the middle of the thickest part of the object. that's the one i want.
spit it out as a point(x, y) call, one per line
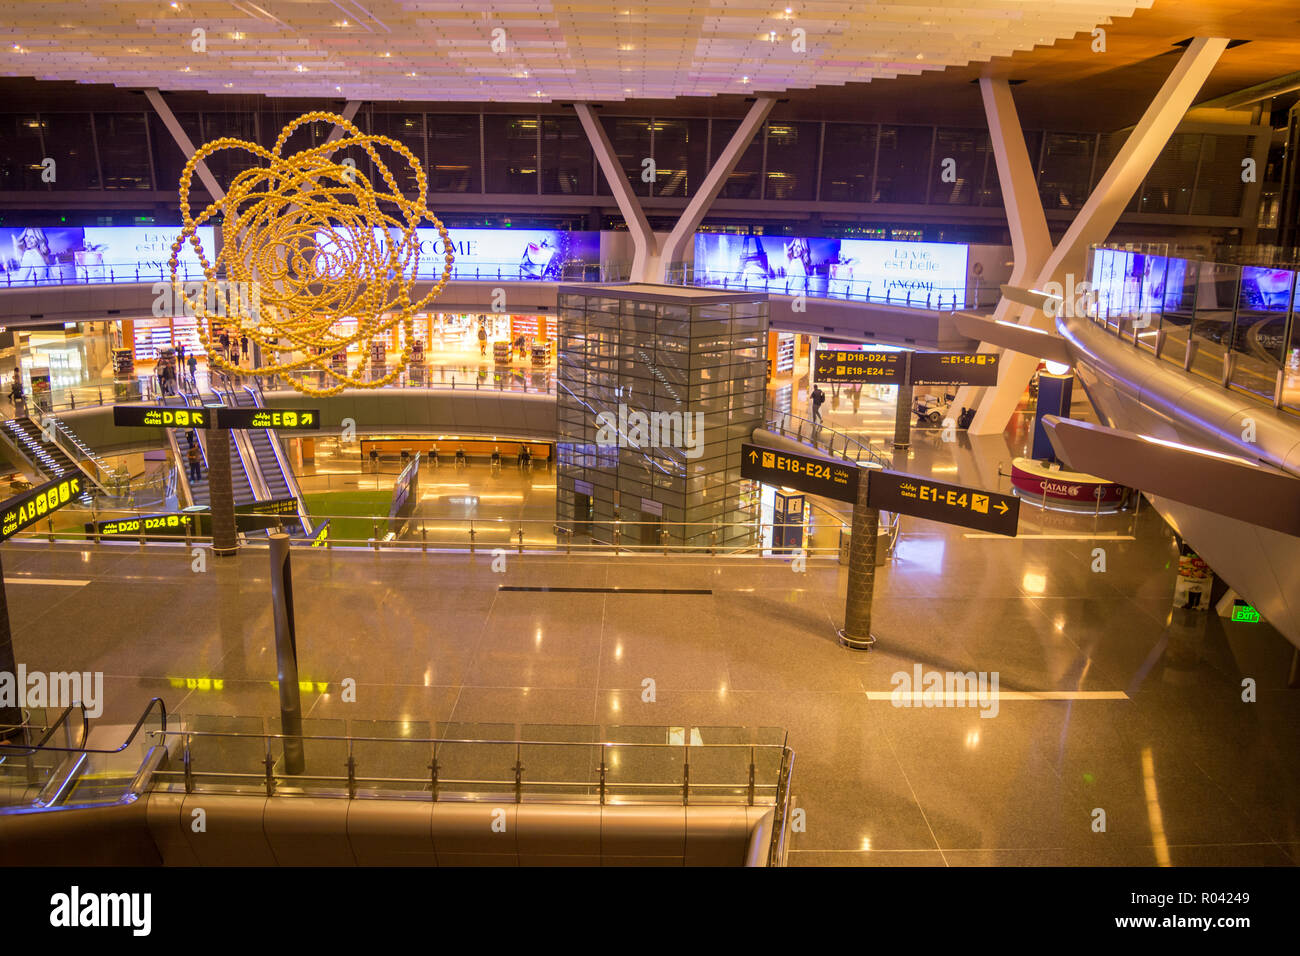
point(295, 419)
point(848, 366)
point(27, 509)
point(817, 476)
point(951, 504)
point(161, 416)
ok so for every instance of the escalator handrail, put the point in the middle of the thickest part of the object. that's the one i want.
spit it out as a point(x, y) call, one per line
point(162, 709)
point(49, 732)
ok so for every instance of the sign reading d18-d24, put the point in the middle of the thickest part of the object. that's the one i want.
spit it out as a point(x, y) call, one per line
point(834, 366)
point(951, 504)
point(817, 476)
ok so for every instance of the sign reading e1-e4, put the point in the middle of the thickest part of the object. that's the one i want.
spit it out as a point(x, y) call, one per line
point(951, 504)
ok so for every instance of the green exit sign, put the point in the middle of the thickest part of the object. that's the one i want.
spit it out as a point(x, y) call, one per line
point(1246, 613)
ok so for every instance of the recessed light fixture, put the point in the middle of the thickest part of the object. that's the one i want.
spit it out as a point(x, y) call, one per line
point(386, 55)
point(236, 35)
point(227, 85)
point(342, 24)
point(744, 79)
point(301, 68)
point(410, 74)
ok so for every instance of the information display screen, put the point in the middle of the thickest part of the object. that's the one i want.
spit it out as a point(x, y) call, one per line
point(25, 510)
point(58, 254)
point(834, 268)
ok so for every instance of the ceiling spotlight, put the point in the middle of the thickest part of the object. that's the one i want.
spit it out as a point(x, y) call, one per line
point(920, 56)
point(175, 6)
point(301, 68)
point(410, 74)
point(185, 70)
point(236, 35)
point(227, 85)
point(341, 24)
point(386, 55)
point(744, 79)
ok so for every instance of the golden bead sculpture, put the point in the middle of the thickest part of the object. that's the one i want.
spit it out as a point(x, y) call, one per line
point(300, 250)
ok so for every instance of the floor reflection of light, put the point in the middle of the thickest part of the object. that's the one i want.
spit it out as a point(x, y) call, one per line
point(428, 677)
point(537, 638)
point(1154, 815)
point(1059, 623)
point(1034, 583)
point(618, 652)
point(866, 843)
point(972, 739)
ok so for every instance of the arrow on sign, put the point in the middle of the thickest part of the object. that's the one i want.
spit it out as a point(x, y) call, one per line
point(1001, 506)
point(753, 456)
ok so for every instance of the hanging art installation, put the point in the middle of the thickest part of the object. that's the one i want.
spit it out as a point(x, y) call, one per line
point(306, 243)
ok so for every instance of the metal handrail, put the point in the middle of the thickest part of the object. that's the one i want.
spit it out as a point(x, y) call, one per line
point(454, 740)
point(816, 430)
point(130, 737)
point(49, 732)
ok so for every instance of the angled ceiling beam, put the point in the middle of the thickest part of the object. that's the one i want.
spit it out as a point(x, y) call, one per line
point(644, 243)
point(1099, 215)
point(183, 141)
point(714, 181)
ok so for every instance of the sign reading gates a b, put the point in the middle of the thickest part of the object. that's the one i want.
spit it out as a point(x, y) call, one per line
point(27, 509)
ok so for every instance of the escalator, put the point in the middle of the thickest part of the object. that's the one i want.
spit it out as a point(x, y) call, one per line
point(197, 492)
point(45, 457)
point(268, 459)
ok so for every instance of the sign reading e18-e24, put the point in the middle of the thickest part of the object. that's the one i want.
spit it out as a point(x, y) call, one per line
point(817, 476)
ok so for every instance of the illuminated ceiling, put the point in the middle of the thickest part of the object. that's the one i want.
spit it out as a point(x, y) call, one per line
point(513, 51)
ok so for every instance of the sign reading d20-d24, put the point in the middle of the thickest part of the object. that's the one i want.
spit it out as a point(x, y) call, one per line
point(27, 509)
point(951, 504)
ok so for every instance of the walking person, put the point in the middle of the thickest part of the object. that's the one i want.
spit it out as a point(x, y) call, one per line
point(195, 460)
point(817, 398)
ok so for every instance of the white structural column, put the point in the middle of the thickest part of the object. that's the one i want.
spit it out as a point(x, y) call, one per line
point(644, 242)
point(183, 141)
point(1031, 242)
point(649, 262)
point(1100, 213)
point(712, 185)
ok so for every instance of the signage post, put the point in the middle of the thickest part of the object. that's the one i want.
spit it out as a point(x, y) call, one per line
point(856, 632)
point(11, 715)
point(903, 410)
point(286, 653)
point(221, 495)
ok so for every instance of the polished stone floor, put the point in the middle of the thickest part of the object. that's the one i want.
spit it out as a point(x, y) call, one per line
point(1185, 771)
